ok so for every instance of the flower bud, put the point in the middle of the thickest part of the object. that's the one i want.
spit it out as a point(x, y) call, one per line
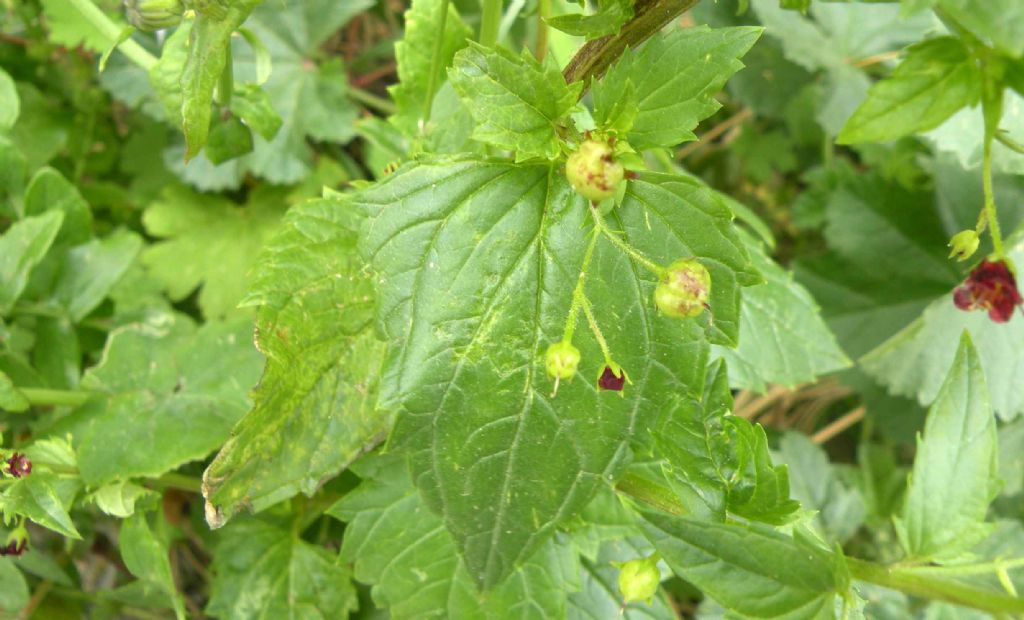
point(19, 466)
point(639, 579)
point(16, 543)
point(149, 15)
point(684, 289)
point(963, 244)
point(561, 360)
point(593, 172)
point(612, 378)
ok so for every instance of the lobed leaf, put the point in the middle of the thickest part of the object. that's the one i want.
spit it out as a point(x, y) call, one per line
point(458, 246)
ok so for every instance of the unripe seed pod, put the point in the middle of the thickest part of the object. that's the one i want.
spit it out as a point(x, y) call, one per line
point(593, 172)
point(684, 289)
point(964, 244)
point(561, 360)
point(149, 15)
point(639, 579)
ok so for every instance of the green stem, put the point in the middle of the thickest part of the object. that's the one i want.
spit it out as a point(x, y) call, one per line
point(990, 201)
point(624, 247)
point(370, 100)
point(651, 493)
point(226, 83)
point(43, 397)
point(490, 22)
point(435, 65)
point(578, 294)
point(1009, 142)
point(172, 480)
point(649, 17)
point(543, 11)
point(980, 568)
point(915, 583)
point(99, 20)
point(601, 342)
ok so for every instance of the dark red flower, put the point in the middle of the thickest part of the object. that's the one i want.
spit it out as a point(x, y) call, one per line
point(19, 465)
point(990, 286)
point(611, 381)
point(14, 547)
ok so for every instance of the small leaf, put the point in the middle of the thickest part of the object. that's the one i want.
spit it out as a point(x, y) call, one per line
point(22, 247)
point(229, 139)
point(515, 100)
point(1000, 22)
point(753, 571)
point(44, 499)
point(14, 593)
point(721, 460)
point(676, 76)
point(937, 78)
point(118, 499)
point(164, 380)
point(263, 571)
point(315, 405)
point(146, 557)
point(609, 18)
point(955, 470)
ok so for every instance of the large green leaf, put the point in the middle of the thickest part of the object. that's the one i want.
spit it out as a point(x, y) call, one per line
point(515, 100)
point(755, 572)
point(315, 405)
point(414, 55)
point(399, 547)
point(165, 383)
point(783, 338)
point(955, 471)
point(208, 241)
point(937, 78)
point(261, 570)
point(676, 76)
point(459, 246)
point(22, 247)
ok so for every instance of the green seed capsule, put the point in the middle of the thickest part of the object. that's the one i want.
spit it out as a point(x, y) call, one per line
point(593, 172)
point(684, 289)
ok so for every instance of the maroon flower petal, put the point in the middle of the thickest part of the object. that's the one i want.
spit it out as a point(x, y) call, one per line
point(610, 381)
point(990, 286)
point(15, 547)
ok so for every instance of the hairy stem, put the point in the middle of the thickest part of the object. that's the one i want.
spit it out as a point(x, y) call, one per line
point(543, 11)
point(649, 16)
point(578, 294)
point(99, 20)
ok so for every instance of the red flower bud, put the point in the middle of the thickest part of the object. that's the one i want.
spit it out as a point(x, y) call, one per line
point(16, 546)
point(990, 286)
point(610, 380)
point(19, 465)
